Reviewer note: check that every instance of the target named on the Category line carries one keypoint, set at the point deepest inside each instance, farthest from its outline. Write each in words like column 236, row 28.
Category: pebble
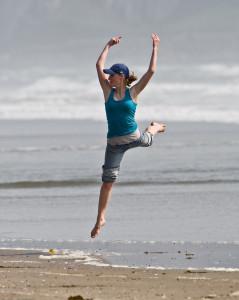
column 235, row 294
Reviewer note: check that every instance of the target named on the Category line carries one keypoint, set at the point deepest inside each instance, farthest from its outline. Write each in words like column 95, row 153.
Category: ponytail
column 132, row 77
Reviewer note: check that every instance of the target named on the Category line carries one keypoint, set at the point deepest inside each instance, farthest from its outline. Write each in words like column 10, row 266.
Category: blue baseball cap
column 117, row 69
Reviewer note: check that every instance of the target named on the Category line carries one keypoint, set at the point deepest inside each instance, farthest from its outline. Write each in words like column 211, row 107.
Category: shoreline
column 24, row 275
column 161, row 255
column 98, row 260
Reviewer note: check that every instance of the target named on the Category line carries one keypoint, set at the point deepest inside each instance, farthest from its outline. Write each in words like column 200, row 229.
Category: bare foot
column 156, row 127
column 96, row 230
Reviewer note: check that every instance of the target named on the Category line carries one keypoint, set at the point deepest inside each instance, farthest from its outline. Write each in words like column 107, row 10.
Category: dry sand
column 23, row 275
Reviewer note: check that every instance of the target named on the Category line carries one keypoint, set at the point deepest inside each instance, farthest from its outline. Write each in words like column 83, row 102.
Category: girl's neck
column 120, row 91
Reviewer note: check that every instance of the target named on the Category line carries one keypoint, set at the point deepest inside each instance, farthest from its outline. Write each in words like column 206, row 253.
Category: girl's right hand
column 114, row 40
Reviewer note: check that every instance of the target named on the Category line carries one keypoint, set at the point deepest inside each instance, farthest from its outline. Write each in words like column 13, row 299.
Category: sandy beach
column 25, row 275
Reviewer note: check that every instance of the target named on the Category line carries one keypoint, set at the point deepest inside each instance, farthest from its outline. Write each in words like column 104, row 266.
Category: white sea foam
column 65, row 254
column 62, row 274
column 77, row 256
column 218, row 269
column 51, row 149
column 20, row 261
column 95, row 260
column 59, row 97
column 96, row 264
column 22, row 248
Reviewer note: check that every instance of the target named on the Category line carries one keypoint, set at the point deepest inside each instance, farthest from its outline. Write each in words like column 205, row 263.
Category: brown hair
column 132, row 77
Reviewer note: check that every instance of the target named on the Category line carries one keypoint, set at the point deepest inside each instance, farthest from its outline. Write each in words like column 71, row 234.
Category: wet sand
column 23, row 275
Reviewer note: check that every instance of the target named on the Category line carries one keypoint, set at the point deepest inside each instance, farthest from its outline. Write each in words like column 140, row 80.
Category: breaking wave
column 196, row 93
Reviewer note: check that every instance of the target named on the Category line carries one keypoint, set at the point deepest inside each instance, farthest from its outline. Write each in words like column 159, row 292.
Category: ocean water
column 193, row 92
column 176, row 198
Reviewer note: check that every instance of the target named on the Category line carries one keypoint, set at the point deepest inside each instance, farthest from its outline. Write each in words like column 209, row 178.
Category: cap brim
column 108, row 71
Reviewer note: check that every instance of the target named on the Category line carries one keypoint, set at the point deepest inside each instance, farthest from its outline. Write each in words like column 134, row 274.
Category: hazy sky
column 54, row 32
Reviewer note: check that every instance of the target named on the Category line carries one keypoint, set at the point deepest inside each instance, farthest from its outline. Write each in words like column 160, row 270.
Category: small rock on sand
column 235, row 294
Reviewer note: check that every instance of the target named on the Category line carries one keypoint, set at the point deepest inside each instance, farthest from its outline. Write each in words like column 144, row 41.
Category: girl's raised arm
column 100, row 64
column 141, row 84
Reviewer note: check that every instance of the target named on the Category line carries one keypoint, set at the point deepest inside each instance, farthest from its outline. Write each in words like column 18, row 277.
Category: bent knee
column 110, row 175
column 147, row 139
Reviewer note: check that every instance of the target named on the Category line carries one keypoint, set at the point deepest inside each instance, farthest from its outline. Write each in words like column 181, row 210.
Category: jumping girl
column 121, row 101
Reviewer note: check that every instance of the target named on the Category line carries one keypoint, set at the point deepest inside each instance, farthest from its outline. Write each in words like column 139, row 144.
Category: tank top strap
column 128, row 93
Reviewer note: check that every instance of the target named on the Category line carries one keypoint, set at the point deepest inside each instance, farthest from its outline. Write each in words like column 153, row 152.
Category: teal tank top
column 120, row 115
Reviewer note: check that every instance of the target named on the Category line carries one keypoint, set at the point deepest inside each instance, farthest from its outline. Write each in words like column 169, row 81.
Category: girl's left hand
column 156, row 40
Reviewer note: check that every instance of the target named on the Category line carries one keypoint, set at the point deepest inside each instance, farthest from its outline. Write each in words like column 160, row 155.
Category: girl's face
column 116, row 80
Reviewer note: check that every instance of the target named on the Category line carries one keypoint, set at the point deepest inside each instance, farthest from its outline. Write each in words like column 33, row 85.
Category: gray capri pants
column 115, row 153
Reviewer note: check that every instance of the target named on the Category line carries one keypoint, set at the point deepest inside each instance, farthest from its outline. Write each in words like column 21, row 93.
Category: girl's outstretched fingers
column 156, row 39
